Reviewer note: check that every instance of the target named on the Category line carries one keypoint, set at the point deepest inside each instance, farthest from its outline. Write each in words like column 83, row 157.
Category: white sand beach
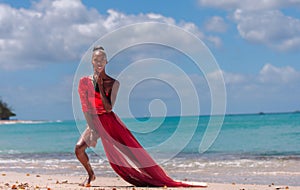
column 13, row 180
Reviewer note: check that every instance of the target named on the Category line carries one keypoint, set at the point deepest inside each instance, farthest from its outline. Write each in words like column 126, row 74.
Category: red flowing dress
column 126, row 156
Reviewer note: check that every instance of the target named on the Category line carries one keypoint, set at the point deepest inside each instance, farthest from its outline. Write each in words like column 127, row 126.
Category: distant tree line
column 5, row 111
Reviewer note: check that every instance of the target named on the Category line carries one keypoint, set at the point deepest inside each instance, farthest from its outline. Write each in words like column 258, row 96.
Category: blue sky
column 256, row 44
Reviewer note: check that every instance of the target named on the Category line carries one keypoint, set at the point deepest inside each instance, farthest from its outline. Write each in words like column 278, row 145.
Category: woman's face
column 99, row 61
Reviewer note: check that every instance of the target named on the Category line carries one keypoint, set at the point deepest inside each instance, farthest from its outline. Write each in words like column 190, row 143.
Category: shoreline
column 10, row 180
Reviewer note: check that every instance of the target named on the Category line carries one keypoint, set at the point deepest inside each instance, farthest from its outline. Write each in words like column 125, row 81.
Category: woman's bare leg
column 84, row 160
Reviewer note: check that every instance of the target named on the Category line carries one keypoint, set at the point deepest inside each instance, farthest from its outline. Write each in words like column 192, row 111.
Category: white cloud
column 268, row 75
column 277, row 75
column 216, row 24
column 249, row 4
column 61, row 30
column 271, row 89
column 229, row 78
column 234, row 79
column 45, row 33
column 215, row 40
column 262, row 22
column 271, row 28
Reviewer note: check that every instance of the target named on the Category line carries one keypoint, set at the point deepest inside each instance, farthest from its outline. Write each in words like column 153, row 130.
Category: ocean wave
column 191, row 167
column 10, row 152
column 11, row 122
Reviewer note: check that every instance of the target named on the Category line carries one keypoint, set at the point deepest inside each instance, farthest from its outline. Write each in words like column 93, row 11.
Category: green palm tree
column 5, row 111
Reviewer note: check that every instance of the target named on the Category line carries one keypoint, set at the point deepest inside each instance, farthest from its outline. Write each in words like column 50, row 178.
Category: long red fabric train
column 121, row 148
column 125, row 154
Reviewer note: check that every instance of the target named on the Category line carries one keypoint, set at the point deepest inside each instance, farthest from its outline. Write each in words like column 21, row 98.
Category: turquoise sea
column 250, row 148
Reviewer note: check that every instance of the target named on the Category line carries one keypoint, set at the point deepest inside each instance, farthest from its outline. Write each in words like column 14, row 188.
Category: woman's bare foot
column 87, row 181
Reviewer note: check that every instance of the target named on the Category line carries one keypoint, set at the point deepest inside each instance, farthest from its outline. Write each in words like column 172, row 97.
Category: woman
column 126, row 156
column 91, row 111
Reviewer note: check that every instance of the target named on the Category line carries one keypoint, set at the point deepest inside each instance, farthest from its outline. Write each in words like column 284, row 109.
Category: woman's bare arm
column 89, row 120
column 114, row 92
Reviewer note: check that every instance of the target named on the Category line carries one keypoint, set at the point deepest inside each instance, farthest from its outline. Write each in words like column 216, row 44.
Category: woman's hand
column 100, row 81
